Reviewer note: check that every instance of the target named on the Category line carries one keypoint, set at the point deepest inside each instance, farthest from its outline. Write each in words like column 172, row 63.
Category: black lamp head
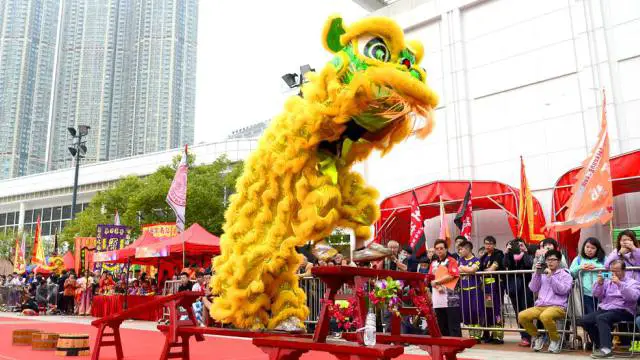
column 290, row 80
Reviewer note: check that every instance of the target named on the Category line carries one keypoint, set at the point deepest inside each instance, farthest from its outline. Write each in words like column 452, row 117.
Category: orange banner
column 592, row 194
column 84, row 249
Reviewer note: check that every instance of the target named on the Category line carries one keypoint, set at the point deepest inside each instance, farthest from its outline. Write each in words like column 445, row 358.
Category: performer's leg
column 288, row 307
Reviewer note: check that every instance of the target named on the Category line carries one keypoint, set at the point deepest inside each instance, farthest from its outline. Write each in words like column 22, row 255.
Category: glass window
column 10, row 218
column 36, row 213
column 66, row 212
column 3, row 219
column 55, row 227
column 57, row 213
column 46, row 229
column 27, row 216
column 46, row 214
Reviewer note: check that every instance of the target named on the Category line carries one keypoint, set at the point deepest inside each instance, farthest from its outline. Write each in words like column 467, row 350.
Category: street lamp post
column 78, row 150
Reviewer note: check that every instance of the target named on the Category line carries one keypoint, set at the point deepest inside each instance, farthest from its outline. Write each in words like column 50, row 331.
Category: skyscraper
column 162, row 75
column 127, row 69
column 27, row 56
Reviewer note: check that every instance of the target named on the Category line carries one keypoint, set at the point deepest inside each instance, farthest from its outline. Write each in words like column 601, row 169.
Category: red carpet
column 138, row 344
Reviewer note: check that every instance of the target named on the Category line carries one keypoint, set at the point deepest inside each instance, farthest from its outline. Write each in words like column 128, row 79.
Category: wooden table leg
column 322, row 327
column 118, row 342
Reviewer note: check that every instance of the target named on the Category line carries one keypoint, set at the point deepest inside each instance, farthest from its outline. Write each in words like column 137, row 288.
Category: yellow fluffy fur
column 284, row 201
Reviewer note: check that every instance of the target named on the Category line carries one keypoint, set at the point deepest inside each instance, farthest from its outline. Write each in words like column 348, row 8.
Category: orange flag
column 444, row 229
column 592, row 195
column 37, row 256
column 19, row 265
column 528, row 230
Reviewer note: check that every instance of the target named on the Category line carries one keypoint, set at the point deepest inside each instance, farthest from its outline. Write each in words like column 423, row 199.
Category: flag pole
column 184, row 254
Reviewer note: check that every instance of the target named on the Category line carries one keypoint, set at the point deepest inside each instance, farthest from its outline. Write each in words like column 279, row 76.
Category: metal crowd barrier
column 491, row 301
column 45, row 296
column 592, row 276
column 10, row 297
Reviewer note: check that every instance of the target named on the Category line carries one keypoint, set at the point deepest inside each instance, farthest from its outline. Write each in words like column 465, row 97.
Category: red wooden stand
column 437, row 345
column 173, row 302
column 291, row 348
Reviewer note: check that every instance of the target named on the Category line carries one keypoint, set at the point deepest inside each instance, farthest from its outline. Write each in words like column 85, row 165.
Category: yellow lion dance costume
column 298, row 185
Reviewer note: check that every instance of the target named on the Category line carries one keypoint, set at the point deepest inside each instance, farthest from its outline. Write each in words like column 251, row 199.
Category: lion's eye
column 375, row 48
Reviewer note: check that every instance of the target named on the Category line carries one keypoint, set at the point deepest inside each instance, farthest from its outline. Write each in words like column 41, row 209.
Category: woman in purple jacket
column 628, row 250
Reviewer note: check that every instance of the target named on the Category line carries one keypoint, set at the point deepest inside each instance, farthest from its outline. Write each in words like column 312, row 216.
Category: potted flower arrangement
column 385, row 293
column 344, row 314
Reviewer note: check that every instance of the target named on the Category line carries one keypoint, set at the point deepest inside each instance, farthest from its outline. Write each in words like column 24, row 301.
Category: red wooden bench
column 183, row 330
column 173, row 302
column 291, row 348
column 446, row 347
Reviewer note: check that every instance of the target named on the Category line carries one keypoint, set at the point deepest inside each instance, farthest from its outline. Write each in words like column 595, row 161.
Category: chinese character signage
column 161, row 230
column 85, row 246
column 110, row 237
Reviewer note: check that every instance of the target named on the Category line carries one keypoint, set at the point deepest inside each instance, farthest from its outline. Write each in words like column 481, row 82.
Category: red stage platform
column 139, row 344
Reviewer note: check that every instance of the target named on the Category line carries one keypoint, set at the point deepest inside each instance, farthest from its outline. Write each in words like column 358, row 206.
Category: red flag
column 37, row 256
column 464, row 218
column 529, row 229
column 417, row 226
column 592, row 195
column 177, row 196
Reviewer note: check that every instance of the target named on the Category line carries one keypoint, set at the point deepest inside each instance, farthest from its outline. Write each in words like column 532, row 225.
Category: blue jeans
column 589, row 303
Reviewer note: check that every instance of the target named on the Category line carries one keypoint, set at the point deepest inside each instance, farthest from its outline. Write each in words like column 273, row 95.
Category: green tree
column 142, row 200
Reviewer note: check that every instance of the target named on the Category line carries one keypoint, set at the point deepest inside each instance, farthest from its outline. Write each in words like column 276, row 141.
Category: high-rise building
column 27, row 60
column 162, row 76
column 127, row 70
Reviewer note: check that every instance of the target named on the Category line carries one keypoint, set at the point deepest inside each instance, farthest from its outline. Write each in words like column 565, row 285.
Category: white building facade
column 519, row 78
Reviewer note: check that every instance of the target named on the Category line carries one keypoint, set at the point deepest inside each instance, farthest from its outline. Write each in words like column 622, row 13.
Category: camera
column 543, row 265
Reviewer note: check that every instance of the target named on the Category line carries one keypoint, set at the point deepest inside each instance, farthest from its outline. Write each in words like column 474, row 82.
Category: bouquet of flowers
column 344, row 314
column 385, row 293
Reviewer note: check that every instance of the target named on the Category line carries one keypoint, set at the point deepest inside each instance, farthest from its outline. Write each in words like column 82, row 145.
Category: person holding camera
column 546, row 245
column 517, row 258
column 553, row 286
column 628, row 250
column 618, row 297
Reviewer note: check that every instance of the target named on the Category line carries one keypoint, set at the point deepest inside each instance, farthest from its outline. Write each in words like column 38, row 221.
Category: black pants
column 449, row 320
column 598, row 324
column 521, row 299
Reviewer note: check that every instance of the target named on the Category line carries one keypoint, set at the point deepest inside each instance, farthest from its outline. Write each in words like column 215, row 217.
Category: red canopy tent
column 395, row 211
column 194, row 241
column 625, row 176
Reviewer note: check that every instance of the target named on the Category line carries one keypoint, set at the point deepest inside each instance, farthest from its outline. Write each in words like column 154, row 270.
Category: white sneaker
column 554, row 347
column 538, row 343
